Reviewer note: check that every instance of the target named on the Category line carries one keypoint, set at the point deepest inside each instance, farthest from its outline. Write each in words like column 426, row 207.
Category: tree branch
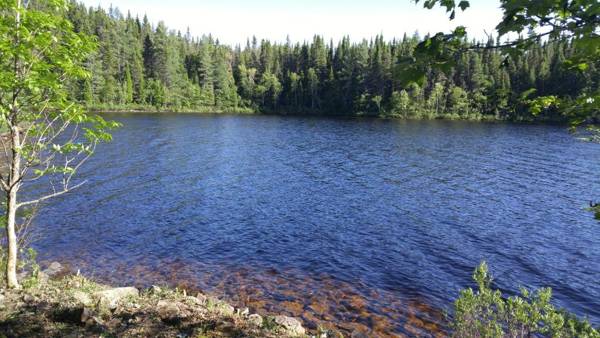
column 47, row 197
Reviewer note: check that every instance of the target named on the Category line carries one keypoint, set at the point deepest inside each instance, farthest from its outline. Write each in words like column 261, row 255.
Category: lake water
column 373, row 224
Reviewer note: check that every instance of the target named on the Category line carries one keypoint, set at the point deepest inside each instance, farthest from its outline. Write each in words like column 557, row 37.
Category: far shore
column 445, row 117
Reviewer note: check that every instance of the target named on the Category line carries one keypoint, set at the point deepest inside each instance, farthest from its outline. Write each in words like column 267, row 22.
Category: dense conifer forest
column 142, row 66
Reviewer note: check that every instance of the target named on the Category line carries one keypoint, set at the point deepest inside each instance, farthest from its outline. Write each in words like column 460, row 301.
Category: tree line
column 139, row 65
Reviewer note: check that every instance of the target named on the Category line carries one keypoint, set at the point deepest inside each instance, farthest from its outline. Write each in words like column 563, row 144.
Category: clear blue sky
column 233, row 21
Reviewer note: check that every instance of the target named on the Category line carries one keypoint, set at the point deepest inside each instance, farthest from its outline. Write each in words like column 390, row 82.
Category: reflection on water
column 374, row 224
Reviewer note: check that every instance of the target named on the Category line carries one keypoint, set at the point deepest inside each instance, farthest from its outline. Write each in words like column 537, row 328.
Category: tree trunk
column 11, row 209
column 11, row 262
column 15, row 172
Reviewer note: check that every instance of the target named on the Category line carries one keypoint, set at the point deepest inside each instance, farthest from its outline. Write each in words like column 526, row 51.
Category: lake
column 372, row 224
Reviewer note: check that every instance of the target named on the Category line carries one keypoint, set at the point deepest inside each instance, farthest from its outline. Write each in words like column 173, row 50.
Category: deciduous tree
column 48, row 137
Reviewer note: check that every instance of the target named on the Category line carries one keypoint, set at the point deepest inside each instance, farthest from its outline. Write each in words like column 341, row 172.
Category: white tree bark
column 14, row 176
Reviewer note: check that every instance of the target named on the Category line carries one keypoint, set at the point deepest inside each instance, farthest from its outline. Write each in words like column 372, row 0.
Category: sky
column 234, row 21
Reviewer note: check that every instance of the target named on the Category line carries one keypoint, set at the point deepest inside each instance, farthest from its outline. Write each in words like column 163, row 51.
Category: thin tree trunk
column 11, row 262
column 11, row 210
column 15, row 172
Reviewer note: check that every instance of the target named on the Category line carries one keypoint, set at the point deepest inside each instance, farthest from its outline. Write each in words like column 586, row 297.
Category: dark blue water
column 374, row 224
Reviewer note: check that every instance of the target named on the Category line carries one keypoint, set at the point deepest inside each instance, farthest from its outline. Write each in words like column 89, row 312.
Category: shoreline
column 445, row 117
column 56, row 303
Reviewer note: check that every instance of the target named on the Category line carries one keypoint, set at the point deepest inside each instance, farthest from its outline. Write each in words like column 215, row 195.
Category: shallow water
column 373, row 224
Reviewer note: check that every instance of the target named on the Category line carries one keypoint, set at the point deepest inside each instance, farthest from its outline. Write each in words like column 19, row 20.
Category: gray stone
column 202, row 298
column 292, row 326
column 171, row 312
column 219, row 306
column 82, row 298
column 54, row 269
column 195, row 301
column 225, row 309
column 243, row 312
column 256, row 320
column 166, row 309
column 155, row 289
column 110, row 298
column 43, row 277
column 22, row 275
column 27, row 298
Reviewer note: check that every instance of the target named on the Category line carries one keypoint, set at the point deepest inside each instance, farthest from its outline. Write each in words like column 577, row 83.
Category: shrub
column 486, row 313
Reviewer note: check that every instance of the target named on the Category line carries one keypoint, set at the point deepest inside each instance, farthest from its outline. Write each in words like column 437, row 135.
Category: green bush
column 486, row 313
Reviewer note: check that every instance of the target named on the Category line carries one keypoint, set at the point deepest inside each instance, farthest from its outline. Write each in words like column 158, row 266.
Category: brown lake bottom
column 320, row 301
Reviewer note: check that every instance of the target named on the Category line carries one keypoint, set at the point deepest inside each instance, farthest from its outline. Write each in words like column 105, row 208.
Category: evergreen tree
column 139, row 64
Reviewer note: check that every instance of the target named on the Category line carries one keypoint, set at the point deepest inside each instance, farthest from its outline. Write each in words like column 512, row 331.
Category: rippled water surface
column 373, row 224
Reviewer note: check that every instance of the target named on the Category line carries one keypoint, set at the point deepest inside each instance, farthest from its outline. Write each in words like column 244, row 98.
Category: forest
column 141, row 66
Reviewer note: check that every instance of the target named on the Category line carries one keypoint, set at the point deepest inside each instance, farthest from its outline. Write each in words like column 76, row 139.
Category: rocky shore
column 56, row 304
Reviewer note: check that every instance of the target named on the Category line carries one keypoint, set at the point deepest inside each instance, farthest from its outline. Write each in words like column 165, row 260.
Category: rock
column 113, row 324
column 243, row 312
column 291, row 325
column 54, row 270
column 171, row 312
column 86, row 315
column 27, row 298
column 2, row 298
column 167, row 310
column 110, row 298
column 43, row 277
column 358, row 334
column 219, row 306
column 195, row 301
column 225, row 309
column 82, row 298
column 202, row 298
column 155, row 290
column 22, row 275
column 256, row 320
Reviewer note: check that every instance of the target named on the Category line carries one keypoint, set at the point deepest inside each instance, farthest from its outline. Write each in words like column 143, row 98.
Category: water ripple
column 373, row 224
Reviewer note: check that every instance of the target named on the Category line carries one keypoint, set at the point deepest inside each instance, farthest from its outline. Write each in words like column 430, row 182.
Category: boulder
column 55, row 269
column 167, row 311
column 292, row 326
column 255, row 319
column 110, row 298
column 172, row 312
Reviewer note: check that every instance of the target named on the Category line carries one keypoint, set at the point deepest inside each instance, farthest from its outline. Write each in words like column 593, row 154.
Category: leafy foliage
column 486, row 313
column 575, row 22
column 48, row 134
